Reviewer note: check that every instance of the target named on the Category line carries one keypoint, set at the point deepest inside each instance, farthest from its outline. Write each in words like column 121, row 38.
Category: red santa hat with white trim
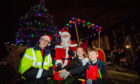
column 64, row 32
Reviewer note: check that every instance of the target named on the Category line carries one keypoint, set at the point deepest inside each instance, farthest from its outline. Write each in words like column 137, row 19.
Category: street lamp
column 127, row 46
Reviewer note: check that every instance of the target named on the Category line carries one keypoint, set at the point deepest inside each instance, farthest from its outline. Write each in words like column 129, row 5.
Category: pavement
column 121, row 75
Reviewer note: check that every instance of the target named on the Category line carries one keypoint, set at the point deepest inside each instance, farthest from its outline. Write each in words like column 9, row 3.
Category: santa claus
column 65, row 50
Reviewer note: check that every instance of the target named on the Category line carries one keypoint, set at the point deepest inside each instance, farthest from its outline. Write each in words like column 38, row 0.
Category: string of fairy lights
column 86, row 25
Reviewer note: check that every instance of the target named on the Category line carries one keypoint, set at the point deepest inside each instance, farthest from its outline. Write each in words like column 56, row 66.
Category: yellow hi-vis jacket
column 36, row 65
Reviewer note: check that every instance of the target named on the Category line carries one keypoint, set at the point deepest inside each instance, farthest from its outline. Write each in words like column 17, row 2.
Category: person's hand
column 48, row 78
column 50, row 71
column 63, row 70
column 53, row 71
column 70, row 52
column 59, row 65
column 64, row 74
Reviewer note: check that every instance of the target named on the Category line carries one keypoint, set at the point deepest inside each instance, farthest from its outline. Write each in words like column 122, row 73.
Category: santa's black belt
column 66, row 58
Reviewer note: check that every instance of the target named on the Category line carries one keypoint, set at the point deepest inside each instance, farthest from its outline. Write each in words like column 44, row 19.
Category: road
column 120, row 75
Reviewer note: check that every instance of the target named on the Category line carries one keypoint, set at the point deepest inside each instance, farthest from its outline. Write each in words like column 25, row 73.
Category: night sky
column 103, row 12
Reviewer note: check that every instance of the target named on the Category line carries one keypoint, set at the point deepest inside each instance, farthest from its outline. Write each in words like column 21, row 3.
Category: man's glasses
column 44, row 40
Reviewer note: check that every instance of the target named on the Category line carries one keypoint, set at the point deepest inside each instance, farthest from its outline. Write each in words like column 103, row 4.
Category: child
column 78, row 61
column 94, row 69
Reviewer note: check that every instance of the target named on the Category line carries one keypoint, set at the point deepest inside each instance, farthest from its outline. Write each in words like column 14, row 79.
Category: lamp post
column 129, row 46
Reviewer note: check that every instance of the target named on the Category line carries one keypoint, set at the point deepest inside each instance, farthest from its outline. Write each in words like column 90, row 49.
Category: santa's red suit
column 62, row 55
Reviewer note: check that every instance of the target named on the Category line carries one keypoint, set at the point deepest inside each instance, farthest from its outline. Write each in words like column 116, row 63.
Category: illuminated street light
column 127, row 46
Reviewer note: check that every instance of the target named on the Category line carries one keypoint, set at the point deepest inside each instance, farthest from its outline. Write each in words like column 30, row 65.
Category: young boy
column 95, row 69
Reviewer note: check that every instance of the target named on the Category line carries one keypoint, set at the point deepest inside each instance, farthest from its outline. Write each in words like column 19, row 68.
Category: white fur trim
column 58, row 46
column 65, row 33
column 73, row 45
column 67, row 56
column 46, row 37
column 58, row 61
column 49, row 44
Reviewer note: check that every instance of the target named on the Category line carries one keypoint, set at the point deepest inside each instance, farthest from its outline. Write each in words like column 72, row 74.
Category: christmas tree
column 34, row 24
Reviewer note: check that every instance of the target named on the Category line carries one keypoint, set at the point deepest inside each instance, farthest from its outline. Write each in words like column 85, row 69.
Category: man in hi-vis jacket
column 36, row 64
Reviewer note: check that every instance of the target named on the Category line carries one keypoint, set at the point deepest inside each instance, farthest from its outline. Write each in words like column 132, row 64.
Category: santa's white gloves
column 64, row 75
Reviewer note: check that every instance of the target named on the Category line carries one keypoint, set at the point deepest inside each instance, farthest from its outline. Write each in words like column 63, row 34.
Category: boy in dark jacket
column 94, row 69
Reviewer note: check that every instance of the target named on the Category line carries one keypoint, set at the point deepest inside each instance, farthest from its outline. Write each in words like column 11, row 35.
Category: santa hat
column 64, row 32
column 48, row 37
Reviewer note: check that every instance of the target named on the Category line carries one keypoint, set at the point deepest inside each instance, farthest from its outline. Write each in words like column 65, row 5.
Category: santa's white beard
column 65, row 42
